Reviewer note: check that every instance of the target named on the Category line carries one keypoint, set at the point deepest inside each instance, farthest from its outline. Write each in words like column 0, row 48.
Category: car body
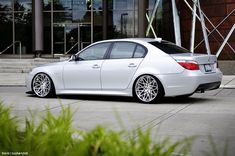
column 145, row 68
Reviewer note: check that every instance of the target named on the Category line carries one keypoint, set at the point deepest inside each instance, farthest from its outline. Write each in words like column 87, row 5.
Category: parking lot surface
column 202, row 115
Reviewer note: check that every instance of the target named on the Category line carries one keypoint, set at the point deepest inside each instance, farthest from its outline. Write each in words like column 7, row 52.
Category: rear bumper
column 208, row 86
column 189, row 82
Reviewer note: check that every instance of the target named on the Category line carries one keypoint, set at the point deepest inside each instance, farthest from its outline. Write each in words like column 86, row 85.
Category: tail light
column 190, row 65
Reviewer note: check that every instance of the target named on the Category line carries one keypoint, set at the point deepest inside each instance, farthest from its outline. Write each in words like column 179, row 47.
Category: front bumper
column 28, row 82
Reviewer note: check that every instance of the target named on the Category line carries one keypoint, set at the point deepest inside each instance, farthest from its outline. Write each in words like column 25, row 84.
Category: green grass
column 55, row 136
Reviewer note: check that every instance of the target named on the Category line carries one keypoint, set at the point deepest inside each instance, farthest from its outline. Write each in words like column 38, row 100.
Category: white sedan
column 144, row 68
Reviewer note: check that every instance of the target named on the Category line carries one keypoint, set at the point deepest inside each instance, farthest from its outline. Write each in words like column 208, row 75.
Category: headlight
column 31, row 69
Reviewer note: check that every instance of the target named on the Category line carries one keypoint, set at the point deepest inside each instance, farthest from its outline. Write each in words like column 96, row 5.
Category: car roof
column 139, row 40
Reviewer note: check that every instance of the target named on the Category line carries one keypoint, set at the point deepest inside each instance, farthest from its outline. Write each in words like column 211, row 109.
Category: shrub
column 54, row 135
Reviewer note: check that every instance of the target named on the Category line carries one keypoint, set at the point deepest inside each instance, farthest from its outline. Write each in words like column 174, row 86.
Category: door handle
column 132, row 65
column 95, row 66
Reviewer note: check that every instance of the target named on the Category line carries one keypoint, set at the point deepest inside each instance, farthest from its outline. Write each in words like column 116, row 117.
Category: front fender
column 54, row 72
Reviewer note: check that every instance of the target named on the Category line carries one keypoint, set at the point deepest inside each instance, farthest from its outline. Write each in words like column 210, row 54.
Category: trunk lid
column 207, row 63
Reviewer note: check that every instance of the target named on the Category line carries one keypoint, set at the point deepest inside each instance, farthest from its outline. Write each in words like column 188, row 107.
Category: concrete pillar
column 37, row 27
column 105, row 19
column 142, row 20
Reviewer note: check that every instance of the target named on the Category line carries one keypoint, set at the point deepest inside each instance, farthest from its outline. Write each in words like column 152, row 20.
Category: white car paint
column 117, row 76
column 75, row 79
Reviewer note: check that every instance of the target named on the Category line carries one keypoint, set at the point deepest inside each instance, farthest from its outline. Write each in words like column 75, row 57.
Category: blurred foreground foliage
column 53, row 135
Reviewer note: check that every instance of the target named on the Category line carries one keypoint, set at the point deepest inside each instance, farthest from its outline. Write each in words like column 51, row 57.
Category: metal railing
column 11, row 46
column 82, row 46
column 71, row 48
column 76, row 44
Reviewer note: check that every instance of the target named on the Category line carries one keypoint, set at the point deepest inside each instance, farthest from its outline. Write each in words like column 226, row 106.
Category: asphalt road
column 211, row 113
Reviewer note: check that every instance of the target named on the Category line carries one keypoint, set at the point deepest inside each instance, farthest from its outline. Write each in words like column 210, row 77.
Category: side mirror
column 73, row 58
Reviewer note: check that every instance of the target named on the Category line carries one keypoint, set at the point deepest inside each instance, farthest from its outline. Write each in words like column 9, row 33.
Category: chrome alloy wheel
column 146, row 88
column 41, row 85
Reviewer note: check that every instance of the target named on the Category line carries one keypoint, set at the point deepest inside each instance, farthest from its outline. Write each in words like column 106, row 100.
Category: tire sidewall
column 160, row 93
column 52, row 88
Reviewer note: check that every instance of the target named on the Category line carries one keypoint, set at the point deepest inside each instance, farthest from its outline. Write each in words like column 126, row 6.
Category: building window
column 16, row 26
column 122, row 18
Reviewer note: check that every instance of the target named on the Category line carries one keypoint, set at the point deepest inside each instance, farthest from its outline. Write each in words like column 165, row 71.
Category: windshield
column 169, row 47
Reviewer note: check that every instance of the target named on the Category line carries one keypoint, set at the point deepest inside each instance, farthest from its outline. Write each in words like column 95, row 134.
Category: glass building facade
column 16, row 25
column 70, row 25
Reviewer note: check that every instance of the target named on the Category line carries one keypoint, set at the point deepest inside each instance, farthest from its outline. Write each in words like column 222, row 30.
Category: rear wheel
column 148, row 89
column 42, row 85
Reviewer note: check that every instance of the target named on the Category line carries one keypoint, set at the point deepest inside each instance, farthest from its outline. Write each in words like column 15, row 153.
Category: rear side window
column 122, row 50
column 139, row 52
column 169, row 47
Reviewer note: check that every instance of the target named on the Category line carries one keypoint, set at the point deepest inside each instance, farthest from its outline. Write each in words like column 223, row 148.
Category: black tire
column 43, row 86
column 148, row 89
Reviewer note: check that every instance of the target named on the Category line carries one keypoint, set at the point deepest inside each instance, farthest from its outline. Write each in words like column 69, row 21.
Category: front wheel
column 42, row 85
column 148, row 89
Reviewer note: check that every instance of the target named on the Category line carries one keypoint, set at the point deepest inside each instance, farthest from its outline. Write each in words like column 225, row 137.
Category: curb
column 7, row 85
column 227, row 87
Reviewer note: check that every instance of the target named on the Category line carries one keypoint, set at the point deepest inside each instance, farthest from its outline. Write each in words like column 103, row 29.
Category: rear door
column 123, row 61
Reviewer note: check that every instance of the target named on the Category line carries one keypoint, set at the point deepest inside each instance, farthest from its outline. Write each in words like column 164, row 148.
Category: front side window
column 95, row 52
column 122, row 50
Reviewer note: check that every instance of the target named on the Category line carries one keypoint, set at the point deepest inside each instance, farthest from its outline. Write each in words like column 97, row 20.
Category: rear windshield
column 169, row 47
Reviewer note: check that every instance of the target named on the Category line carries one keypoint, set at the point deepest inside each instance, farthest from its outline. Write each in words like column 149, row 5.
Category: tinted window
column 169, row 47
column 139, row 52
column 122, row 50
column 95, row 52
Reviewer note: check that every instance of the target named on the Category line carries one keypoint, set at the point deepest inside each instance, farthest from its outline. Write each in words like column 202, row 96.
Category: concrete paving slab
column 228, row 81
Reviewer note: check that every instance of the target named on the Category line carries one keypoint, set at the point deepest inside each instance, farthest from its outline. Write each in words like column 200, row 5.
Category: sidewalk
column 12, row 79
column 228, row 82
column 18, row 79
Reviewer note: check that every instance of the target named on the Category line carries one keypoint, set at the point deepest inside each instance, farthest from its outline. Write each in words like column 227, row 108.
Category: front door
column 84, row 73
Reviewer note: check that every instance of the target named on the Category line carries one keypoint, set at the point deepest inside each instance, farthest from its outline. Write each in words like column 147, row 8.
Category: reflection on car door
column 82, row 75
column 85, row 73
column 118, row 70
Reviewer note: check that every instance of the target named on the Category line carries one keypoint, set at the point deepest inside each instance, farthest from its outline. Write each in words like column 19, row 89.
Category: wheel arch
column 138, row 76
column 50, row 77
